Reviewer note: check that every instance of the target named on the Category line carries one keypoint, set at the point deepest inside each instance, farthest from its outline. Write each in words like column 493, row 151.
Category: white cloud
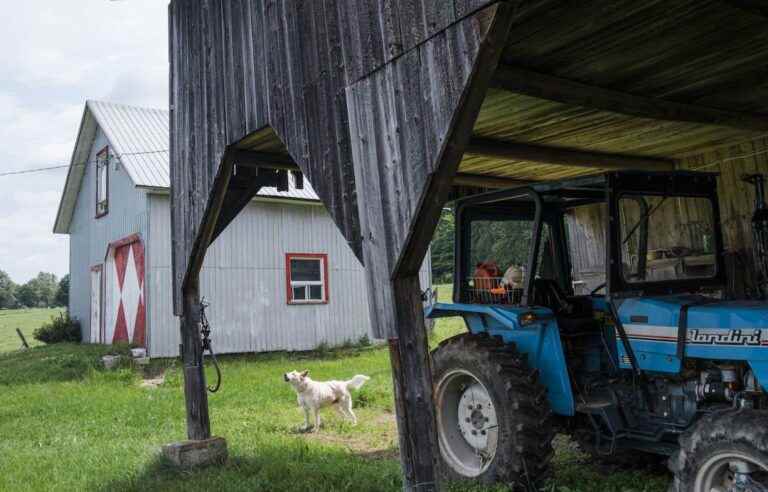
column 53, row 56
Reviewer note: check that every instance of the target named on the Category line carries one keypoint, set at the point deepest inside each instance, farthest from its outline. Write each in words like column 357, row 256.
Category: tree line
column 505, row 242
column 45, row 291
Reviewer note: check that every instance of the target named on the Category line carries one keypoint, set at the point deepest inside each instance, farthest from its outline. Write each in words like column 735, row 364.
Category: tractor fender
column 533, row 331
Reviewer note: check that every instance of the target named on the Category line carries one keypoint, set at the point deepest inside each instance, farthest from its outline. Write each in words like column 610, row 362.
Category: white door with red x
column 125, row 319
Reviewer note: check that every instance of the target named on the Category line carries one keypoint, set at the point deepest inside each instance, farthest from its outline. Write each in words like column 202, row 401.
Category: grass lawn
column 65, row 424
column 25, row 319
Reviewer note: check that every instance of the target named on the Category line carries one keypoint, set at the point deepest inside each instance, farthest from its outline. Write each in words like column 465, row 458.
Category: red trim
column 128, row 243
column 133, row 238
column 105, row 150
column 326, row 284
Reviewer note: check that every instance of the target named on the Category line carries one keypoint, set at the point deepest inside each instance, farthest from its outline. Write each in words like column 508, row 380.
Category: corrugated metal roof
column 140, row 139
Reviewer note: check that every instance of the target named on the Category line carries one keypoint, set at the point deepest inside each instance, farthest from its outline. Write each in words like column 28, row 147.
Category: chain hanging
column 205, row 332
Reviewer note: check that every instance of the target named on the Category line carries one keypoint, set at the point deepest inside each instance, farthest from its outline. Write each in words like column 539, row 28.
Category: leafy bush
column 61, row 329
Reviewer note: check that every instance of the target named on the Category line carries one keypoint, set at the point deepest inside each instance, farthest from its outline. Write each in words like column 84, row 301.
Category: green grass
column 25, row 319
column 66, row 424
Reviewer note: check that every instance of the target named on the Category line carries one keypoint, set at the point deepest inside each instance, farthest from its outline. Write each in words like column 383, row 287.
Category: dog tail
column 357, row 381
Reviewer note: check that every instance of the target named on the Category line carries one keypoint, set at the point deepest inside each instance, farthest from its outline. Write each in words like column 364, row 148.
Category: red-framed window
column 102, row 182
column 306, row 277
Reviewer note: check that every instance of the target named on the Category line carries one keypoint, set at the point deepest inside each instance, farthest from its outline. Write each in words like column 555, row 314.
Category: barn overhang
column 390, row 108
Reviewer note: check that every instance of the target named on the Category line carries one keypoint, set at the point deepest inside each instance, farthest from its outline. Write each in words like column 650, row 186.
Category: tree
column 7, row 291
column 39, row 292
column 442, row 248
column 62, row 294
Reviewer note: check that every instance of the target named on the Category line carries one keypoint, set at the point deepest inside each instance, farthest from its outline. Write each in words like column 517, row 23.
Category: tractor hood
column 709, row 321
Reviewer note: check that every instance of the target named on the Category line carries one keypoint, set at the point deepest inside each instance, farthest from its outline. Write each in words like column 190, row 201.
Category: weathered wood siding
column 238, row 66
column 737, row 201
column 400, row 117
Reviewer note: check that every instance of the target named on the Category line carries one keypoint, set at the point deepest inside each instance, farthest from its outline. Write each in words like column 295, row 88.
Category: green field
column 65, row 424
column 25, row 319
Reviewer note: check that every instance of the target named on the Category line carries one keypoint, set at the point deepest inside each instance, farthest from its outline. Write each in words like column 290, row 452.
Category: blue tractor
column 652, row 362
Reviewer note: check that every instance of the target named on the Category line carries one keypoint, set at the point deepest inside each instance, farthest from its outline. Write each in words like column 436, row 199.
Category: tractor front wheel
column 493, row 417
column 725, row 451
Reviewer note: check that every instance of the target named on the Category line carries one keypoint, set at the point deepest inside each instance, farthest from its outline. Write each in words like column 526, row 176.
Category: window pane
column 305, row 270
column 102, row 181
column 299, row 294
column 679, row 232
column 585, row 229
column 316, row 292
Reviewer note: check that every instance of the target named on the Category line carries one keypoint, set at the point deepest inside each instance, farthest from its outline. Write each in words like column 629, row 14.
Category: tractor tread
column 527, row 418
column 742, row 429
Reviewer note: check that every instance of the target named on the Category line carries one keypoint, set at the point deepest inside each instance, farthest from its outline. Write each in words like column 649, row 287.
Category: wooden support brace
column 412, row 377
column 195, row 392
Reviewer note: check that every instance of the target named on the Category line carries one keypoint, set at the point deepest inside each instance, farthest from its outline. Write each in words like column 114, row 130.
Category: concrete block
column 193, row 454
column 110, row 361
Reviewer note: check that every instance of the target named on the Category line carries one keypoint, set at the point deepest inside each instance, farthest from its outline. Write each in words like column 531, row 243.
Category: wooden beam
column 195, row 391
column 756, row 7
column 543, row 86
column 269, row 160
column 483, row 181
column 515, row 151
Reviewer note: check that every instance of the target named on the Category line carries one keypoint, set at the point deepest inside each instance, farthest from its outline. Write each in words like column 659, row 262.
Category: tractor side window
column 498, row 257
column 666, row 238
column 585, row 226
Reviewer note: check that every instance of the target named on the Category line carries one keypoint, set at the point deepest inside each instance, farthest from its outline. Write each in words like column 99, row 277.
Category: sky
column 54, row 55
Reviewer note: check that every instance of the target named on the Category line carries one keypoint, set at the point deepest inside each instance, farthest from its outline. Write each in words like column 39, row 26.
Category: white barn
column 115, row 207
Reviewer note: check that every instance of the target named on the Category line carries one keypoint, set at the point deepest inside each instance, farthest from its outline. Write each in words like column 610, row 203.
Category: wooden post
column 24, row 343
column 412, row 376
column 195, row 392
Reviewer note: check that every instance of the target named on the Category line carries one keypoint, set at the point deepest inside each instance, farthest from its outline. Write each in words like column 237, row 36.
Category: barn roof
column 138, row 137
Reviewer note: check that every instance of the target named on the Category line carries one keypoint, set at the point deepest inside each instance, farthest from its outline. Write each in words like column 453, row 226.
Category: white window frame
column 102, row 166
column 306, row 284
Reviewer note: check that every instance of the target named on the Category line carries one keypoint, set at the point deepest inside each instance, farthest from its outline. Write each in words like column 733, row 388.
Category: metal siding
column 89, row 237
column 140, row 136
column 244, row 280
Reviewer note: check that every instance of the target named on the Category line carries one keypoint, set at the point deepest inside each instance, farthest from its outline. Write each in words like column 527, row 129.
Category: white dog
column 314, row 395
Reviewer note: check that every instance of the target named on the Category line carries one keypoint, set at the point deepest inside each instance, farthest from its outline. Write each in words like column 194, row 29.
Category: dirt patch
column 382, row 446
column 153, row 382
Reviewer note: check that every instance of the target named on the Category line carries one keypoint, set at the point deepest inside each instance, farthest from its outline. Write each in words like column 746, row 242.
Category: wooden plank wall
column 737, row 199
column 238, row 66
column 400, row 116
column 736, row 206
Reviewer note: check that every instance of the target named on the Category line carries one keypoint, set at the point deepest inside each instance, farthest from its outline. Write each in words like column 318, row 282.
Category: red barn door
column 126, row 317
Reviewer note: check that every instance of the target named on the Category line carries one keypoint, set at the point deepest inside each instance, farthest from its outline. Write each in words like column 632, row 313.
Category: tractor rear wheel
column 725, row 451
column 493, row 418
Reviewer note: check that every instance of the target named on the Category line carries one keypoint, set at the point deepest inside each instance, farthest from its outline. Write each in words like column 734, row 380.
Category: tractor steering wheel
column 599, row 287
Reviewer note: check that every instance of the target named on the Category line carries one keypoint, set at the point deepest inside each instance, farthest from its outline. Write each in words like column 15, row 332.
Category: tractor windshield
column 666, row 238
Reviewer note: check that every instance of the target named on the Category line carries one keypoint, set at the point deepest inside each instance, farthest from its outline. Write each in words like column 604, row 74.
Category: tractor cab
column 642, row 234
column 602, row 299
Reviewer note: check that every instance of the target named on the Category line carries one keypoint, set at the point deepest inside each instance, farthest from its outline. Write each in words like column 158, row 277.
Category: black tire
column 743, row 432
column 525, row 432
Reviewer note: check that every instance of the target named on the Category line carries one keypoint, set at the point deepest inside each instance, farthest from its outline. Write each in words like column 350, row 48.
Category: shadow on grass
column 53, row 363
column 273, row 468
